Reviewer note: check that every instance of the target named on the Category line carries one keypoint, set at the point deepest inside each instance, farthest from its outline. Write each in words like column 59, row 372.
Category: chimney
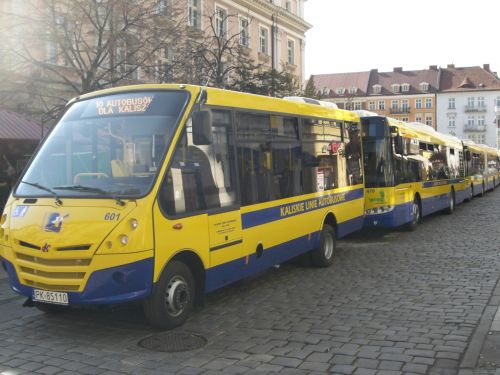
column 451, row 66
column 433, row 67
column 374, row 70
column 398, row 69
column 486, row 67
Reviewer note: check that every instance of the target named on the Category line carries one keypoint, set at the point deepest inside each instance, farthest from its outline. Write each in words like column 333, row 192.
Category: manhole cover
column 173, row 342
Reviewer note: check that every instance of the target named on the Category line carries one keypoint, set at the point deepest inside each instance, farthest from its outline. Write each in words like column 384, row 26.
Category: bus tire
column 172, row 300
column 324, row 255
column 483, row 192
column 471, row 194
column 451, row 203
column 415, row 215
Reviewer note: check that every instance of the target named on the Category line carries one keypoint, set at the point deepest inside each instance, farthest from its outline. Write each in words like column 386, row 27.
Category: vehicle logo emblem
column 55, row 222
column 45, row 248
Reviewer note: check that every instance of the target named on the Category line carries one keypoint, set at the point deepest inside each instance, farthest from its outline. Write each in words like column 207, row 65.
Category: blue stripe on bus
column 429, row 184
column 267, row 215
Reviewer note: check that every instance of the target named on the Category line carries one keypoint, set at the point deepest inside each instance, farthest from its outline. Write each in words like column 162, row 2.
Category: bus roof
column 227, row 98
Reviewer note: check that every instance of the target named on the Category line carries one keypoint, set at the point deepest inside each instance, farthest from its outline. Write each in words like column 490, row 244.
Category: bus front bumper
column 401, row 214
column 118, row 284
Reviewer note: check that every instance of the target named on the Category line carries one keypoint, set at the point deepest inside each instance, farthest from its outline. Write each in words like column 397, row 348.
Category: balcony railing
column 475, row 108
column 474, row 128
column 396, row 111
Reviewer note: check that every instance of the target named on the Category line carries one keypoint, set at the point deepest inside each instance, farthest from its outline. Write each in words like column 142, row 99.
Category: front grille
column 56, row 274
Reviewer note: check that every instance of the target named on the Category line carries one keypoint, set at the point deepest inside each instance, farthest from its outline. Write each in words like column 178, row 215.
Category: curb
column 471, row 356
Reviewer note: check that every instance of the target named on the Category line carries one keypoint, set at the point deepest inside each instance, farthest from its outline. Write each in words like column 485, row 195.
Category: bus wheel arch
column 178, row 290
column 324, row 254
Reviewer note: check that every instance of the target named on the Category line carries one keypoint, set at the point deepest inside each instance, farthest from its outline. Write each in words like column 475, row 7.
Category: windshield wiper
column 92, row 189
column 41, row 187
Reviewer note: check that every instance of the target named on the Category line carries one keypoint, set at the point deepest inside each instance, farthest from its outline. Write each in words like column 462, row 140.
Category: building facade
column 271, row 33
column 460, row 101
column 468, row 104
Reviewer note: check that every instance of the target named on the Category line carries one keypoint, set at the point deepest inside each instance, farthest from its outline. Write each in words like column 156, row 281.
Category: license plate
column 58, row 298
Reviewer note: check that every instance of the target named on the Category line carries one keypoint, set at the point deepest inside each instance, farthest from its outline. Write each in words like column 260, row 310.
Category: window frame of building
column 194, row 13
column 452, row 121
column 424, row 86
column 428, row 103
column 394, row 104
column 405, row 87
column 377, row 89
column 418, row 118
column 395, row 87
column 264, row 40
column 471, row 102
column 481, row 102
column 290, row 48
column 221, row 17
column 244, row 30
column 163, row 7
column 481, row 121
column 371, row 106
column 353, row 90
column 340, row 91
column 358, row 106
column 471, row 120
column 381, row 105
column 428, row 120
column 418, row 103
column 451, row 103
column 405, row 104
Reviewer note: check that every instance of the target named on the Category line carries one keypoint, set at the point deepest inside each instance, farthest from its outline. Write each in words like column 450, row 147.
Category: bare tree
column 71, row 47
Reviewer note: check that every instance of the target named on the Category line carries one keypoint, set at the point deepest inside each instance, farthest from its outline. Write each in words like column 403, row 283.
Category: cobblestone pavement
column 394, row 302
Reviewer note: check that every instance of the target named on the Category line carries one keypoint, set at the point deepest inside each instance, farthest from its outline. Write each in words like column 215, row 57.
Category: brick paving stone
column 342, row 369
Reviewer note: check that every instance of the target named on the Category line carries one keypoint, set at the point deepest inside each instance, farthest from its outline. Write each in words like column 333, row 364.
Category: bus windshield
column 106, row 147
column 377, row 153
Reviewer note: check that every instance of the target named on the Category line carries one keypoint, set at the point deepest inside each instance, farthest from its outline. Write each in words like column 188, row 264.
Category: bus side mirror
column 202, row 128
column 399, row 145
column 467, row 156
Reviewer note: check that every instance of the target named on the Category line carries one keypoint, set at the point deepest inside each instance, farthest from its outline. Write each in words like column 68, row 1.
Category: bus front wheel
column 323, row 256
column 173, row 299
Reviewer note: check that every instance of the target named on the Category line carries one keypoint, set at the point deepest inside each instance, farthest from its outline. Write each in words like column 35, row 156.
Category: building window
column 451, row 122
column 405, row 119
column 497, row 103
column 163, row 69
column 263, row 40
column 353, row 90
column 291, row 52
column 480, row 102
column 404, row 105
column 405, row 87
column 221, row 22
column 395, row 88
column 194, row 14
column 357, row 106
column 428, row 120
column 418, row 103
column 451, row 103
column 381, row 105
column 244, row 32
column 371, row 106
column 377, row 89
column 418, row 118
column 340, row 91
column 424, row 86
column 288, row 5
column 470, row 102
column 470, row 121
column 480, row 120
column 394, row 104
column 163, row 7
column 428, row 103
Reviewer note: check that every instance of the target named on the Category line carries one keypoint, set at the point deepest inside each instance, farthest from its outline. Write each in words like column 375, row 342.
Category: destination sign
column 114, row 106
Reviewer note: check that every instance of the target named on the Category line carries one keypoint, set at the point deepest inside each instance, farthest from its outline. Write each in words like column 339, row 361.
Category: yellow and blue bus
column 162, row 193
column 410, row 171
column 482, row 167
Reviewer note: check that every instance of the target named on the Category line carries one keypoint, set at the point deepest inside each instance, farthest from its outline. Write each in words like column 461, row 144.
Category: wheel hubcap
column 176, row 296
column 415, row 213
column 328, row 243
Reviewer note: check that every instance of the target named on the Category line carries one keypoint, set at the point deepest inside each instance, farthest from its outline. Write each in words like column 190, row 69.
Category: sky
column 359, row 35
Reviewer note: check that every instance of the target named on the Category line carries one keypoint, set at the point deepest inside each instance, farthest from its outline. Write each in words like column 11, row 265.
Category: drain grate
column 171, row 342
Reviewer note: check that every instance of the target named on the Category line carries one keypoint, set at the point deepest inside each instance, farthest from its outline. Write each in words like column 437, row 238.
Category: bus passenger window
column 201, row 177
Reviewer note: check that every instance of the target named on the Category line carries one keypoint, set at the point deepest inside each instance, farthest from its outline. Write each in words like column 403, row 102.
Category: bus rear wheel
column 324, row 255
column 415, row 215
column 172, row 301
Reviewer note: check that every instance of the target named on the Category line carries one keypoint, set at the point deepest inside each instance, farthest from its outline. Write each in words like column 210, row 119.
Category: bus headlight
column 379, row 210
column 124, row 239
column 134, row 223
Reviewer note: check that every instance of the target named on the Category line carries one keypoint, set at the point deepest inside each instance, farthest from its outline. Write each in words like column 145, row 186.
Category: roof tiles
column 15, row 127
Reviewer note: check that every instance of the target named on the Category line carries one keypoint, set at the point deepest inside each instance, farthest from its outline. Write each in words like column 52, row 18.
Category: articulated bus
column 482, row 167
column 410, row 171
column 162, row 193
